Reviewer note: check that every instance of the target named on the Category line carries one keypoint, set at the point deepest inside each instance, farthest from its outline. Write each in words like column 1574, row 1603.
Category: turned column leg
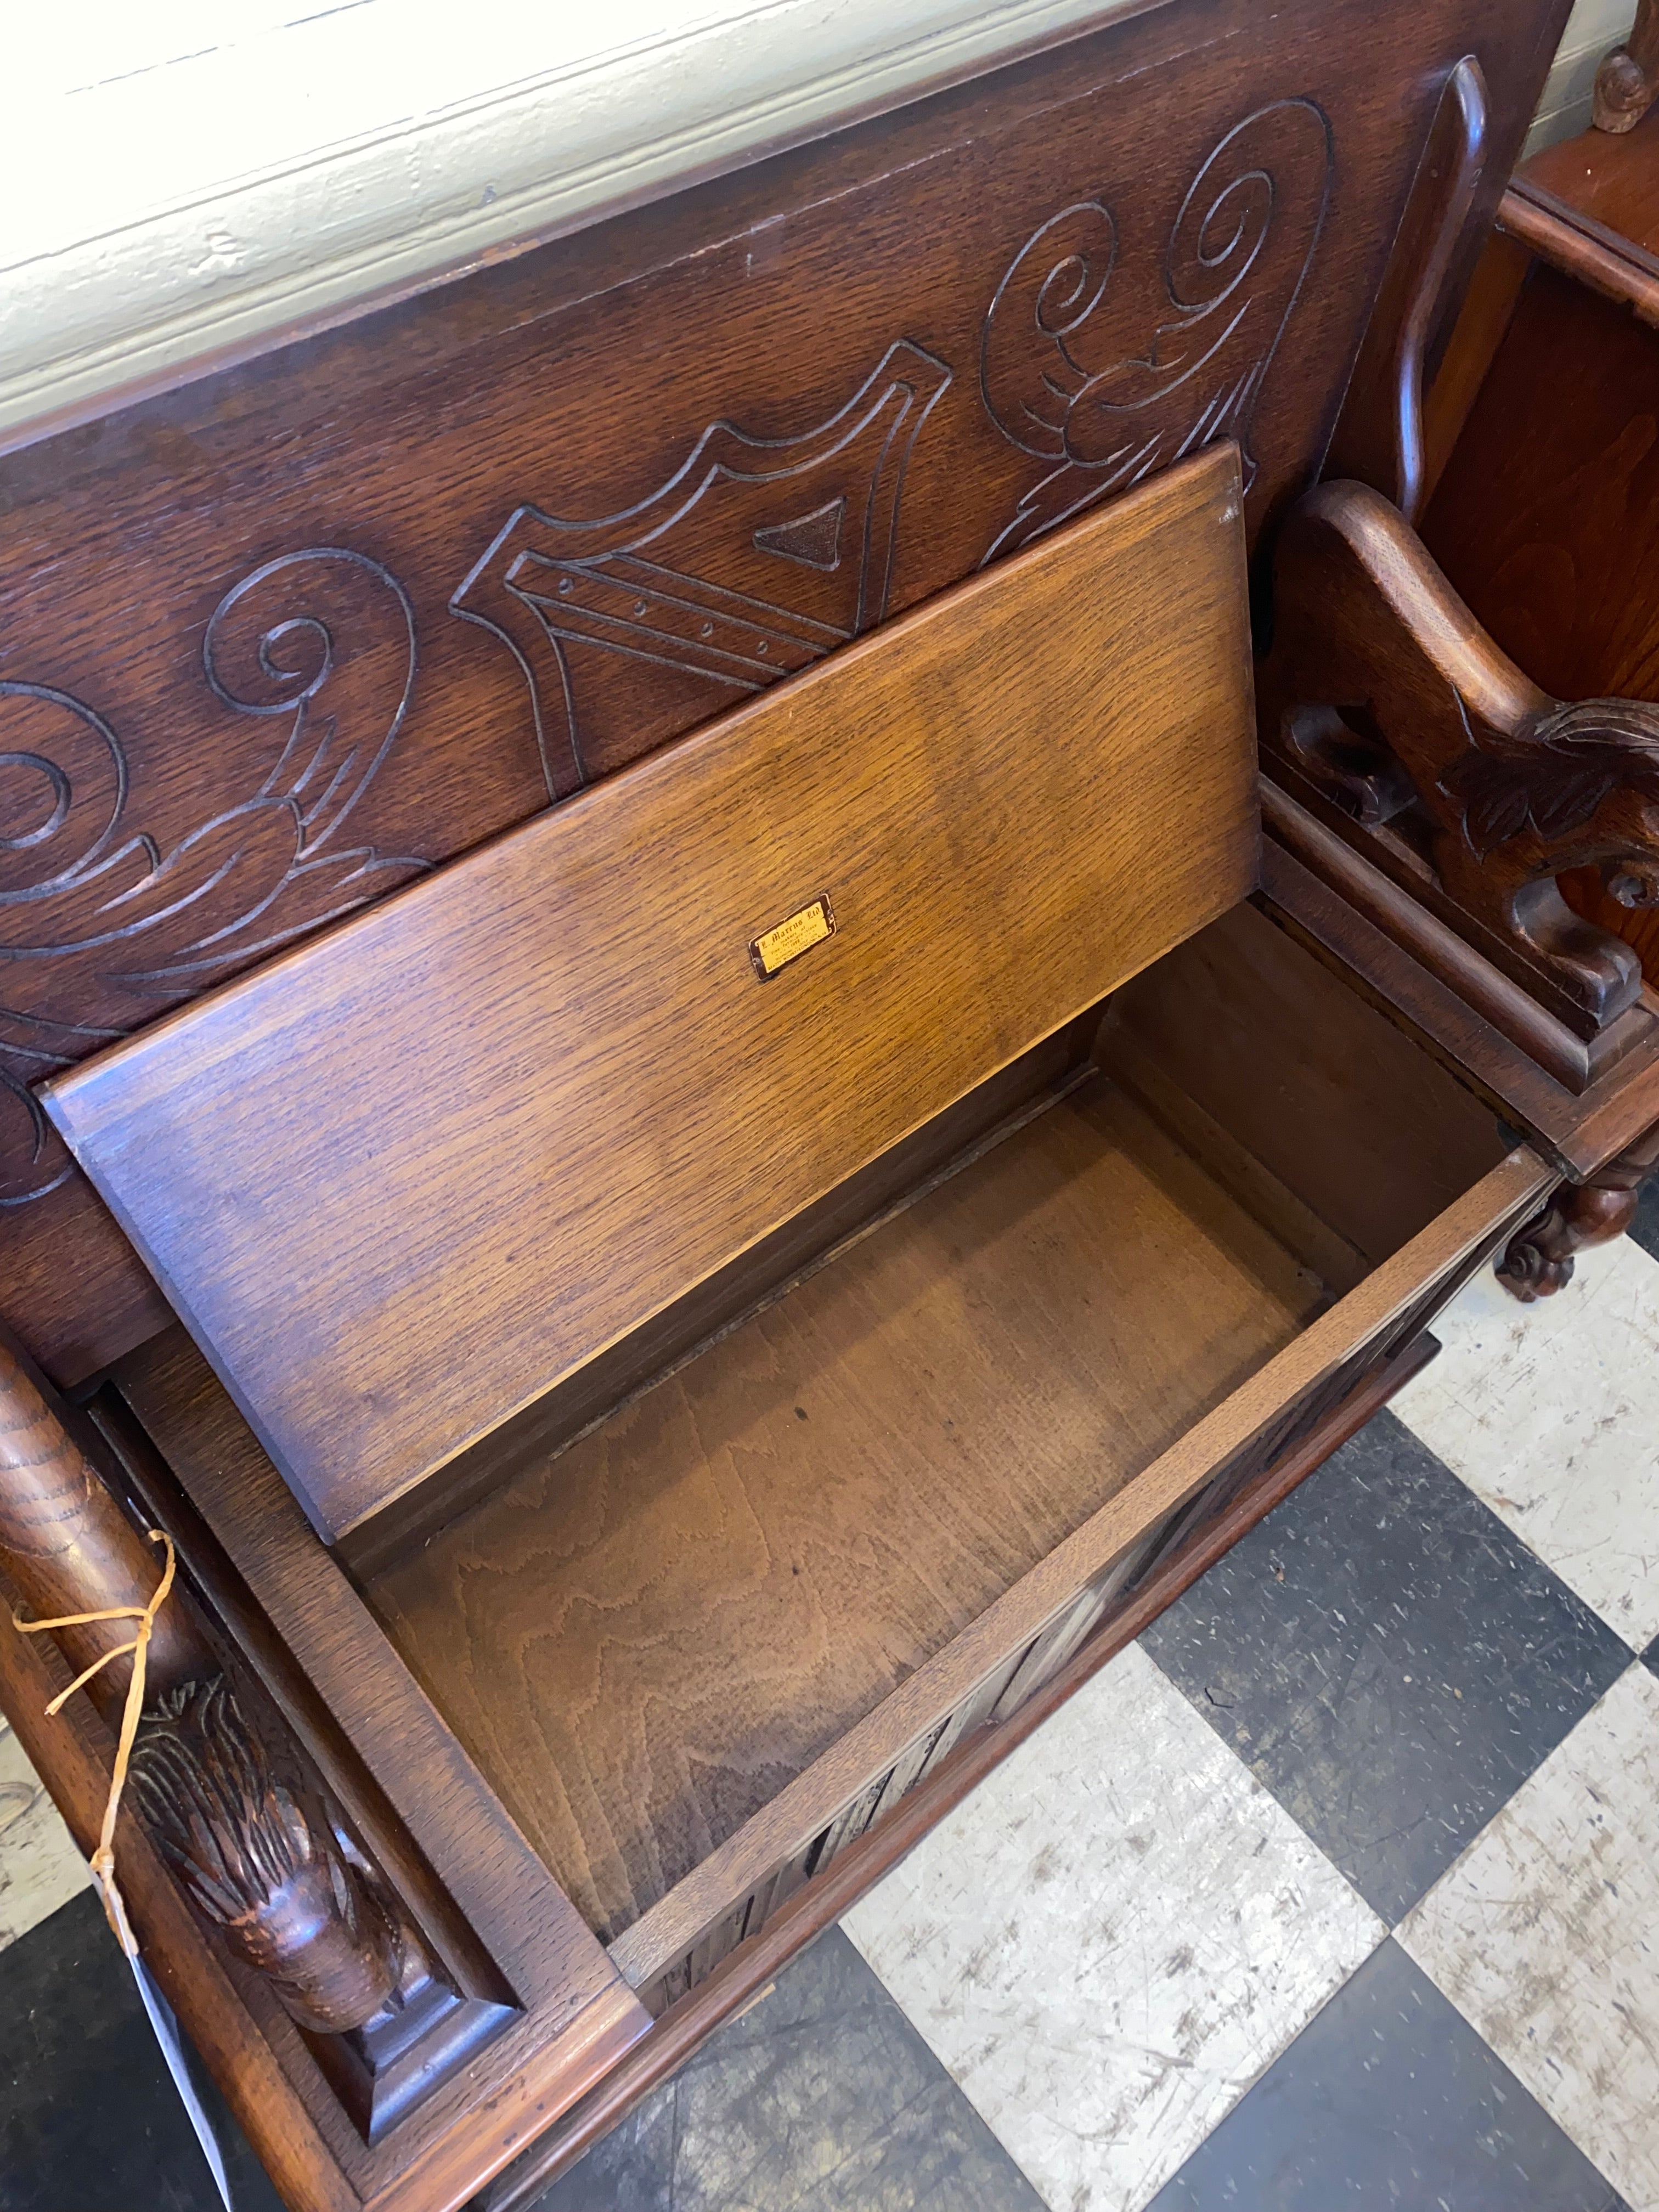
column 1538, row 1261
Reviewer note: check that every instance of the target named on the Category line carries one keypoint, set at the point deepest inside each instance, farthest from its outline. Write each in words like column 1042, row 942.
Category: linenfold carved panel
column 1109, row 366
column 99, row 928
column 686, row 583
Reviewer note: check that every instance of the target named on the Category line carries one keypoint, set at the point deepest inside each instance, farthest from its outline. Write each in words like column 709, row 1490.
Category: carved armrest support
column 1460, row 776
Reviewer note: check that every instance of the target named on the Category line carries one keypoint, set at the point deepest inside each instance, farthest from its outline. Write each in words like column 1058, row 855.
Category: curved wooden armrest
column 1473, row 787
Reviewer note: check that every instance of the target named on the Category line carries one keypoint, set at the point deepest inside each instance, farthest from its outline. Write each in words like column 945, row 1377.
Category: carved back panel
column 279, row 641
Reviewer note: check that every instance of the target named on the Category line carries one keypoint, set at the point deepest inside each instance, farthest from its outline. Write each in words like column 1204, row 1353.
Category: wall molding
column 287, row 178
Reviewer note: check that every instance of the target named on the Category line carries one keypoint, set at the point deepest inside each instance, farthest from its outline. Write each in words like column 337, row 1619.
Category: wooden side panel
column 403, row 1180
column 1370, row 1133
column 515, row 532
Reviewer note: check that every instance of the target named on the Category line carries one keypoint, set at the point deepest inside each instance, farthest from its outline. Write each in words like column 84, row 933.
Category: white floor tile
column 1545, row 1934
column 40, row 1867
column 1550, row 1413
column 1112, row 1938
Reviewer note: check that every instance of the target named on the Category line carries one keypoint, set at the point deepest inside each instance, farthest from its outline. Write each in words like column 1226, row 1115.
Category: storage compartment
column 699, row 1645
column 401, row 1182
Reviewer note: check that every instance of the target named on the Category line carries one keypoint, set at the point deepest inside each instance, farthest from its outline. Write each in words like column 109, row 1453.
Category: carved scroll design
column 1470, row 785
column 99, row 928
column 1085, row 364
column 753, row 560
column 1539, row 1260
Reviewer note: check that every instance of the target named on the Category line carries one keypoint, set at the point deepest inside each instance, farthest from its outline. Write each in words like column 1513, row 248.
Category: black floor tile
column 1645, row 1227
column 821, row 2098
column 1650, row 1657
column 89, row 2118
column 1389, row 1659
column 1387, row 2101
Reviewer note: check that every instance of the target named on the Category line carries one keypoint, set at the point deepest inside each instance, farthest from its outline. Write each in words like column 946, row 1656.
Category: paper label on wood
column 790, row 938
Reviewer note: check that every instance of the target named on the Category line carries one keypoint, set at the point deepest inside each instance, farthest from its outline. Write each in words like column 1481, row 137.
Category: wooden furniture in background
column 1545, row 517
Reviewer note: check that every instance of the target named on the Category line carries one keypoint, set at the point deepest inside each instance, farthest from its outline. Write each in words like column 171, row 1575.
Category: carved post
column 256, row 1866
column 1467, row 784
column 1538, row 1259
column 67, row 1548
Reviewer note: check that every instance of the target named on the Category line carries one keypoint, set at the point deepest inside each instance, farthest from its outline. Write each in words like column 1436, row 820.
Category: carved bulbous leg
column 263, row 1870
column 1538, row 1261
column 248, row 1856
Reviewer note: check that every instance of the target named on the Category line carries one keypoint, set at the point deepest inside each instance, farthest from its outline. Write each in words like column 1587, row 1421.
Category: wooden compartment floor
column 642, row 1640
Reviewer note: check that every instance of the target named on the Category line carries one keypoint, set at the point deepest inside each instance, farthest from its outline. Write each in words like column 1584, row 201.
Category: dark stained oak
column 1226, row 1021
column 804, row 397
column 1307, row 1376
column 1380, row 434
column 288, row 646
column 412, row 1791
column 1579, row 1131
column 401, row 1181
column 1385, row 702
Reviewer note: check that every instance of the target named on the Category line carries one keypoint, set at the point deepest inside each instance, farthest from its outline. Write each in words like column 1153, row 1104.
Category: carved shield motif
column 756, row 558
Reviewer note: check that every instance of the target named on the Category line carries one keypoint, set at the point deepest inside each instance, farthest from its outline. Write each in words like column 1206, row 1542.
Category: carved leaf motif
column 255, row 1866
column 1549, row 780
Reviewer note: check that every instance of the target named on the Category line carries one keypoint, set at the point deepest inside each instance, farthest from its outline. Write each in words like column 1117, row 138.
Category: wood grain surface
column 1315, row 1087
column 643, row 1640
column 403, row 1179
column 743, row 1973
column 811, row 394
column 1394, row 1293
column 637, row 1360
column 1577, row 1131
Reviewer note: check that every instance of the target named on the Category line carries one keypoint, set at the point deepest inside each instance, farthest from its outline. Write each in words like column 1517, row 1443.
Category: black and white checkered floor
column 1337, row 1892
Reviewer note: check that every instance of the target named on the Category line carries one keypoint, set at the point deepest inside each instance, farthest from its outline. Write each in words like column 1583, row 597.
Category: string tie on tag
column 103, row 1859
